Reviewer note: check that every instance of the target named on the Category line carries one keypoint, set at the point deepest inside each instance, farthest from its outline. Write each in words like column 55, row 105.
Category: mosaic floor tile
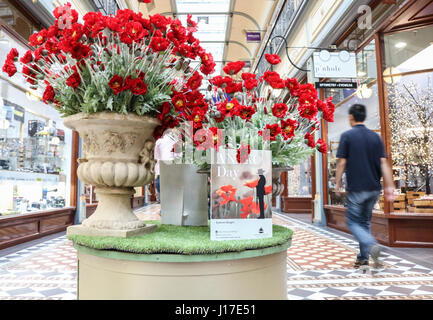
column 319, row 266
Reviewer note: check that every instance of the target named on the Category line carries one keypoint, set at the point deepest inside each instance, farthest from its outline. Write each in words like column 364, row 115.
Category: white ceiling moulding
column 229, row 29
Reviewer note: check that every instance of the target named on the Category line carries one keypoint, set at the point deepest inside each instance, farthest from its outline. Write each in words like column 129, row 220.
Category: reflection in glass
column 408, row 77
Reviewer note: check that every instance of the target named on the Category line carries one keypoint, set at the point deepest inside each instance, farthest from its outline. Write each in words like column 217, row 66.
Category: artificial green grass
column 169, row 239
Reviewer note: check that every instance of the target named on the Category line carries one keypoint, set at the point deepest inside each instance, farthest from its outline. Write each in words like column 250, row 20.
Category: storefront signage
column 241, row 196
column 340, row 64
column 254, row 36
column 336, row 85
column 18, row 112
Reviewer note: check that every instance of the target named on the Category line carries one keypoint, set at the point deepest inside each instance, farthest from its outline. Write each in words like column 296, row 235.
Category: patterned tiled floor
column 319, row 267
column 330, row 275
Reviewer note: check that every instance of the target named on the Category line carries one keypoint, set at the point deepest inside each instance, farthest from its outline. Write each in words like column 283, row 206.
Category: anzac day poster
column 241, row 196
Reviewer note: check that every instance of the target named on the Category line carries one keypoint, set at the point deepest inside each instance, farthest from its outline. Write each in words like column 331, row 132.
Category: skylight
column 212, row 27
column 192, row 6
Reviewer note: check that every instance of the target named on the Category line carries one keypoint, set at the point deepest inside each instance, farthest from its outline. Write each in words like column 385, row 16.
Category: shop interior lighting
column 400, row 45
column 362, row 74
column 364, row 92
column 4, row 124
column 389, row 75
column 31, row 96
column 55, row 141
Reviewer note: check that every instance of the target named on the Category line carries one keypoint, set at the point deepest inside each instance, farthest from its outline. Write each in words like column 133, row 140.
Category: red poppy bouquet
column 123, row 63
column 266, row 112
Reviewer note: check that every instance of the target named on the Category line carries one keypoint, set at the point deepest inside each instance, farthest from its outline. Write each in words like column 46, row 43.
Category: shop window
column 366, row 94
column 32, row 161
column 35, row 147
column 408, row 78
column 299, row 180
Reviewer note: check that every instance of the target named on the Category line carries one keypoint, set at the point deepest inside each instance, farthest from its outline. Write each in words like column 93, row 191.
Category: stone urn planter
column 277, row 186
column 118, row 156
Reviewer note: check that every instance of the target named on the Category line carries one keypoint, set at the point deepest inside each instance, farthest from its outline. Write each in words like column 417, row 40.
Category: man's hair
column 359, row 112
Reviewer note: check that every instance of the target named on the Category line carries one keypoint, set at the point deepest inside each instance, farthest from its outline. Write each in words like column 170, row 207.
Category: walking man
column 361, row 154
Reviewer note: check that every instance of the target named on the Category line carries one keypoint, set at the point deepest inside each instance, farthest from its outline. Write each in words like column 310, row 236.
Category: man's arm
column 341, row 166
column 388, row 181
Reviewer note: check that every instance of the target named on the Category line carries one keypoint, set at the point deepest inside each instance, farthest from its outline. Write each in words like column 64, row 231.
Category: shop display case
column 32, row 162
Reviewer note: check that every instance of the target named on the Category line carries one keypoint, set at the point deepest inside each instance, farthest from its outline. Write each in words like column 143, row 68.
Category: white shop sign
column 341, row 64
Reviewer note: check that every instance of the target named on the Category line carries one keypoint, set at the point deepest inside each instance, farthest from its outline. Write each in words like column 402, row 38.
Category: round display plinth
column 259, row 274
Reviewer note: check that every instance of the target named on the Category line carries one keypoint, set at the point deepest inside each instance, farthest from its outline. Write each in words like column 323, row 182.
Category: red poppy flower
column 221, row 82
column 228, row 108
column 94, row 22
column 228, row 188
column 12, row 55
column 27, row 57
column 233, row 87
column 273, row 58
column 308, row 111
column 250, row 207
column 234, row 67
column 274, row 80
column 245, row 112
column 268, row 189
column 80, row 51
column 310, row 140
column 159, row 21
column 48, row 95
column 164, row 110
column 74, row 33
column 191, row 24
column 274, row 131
column 74, row 80
column 250, row 84
column 293, row 85
column 197, row 117
column 10, row 68
column 208, row 63
column 179, row 101
column 252, row 184
column 279, row 110
column 195, row 81
column 159, row 44
column 321, row 146
column 66, row 10
column 227, row 193
column 52, row 46
column 247, row 76
column 288, row 127
column 328, row 113
column 242, row 153
column 116, row 84
column 309, row 90
column 217, row 137
column 39, row 38
column 137, row 86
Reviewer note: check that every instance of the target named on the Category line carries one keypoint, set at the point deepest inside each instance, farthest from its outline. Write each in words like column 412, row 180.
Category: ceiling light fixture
column 364, row 92
column 400, row 45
